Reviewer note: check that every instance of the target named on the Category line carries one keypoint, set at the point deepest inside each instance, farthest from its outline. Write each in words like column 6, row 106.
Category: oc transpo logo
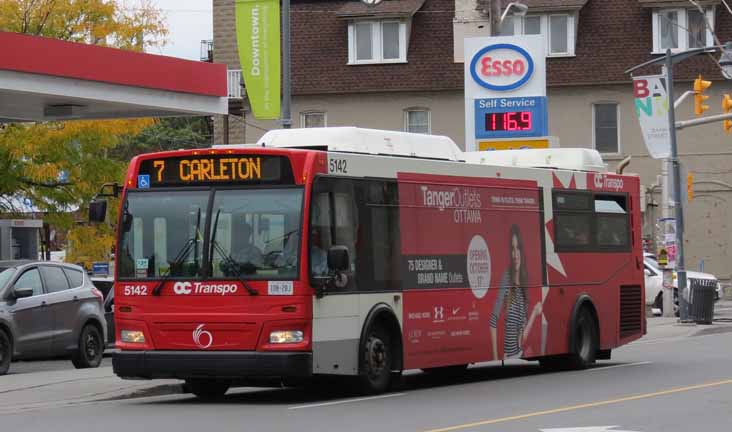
column 602, row 181
column 502, row 67
column 182, row 288
column 202, row 338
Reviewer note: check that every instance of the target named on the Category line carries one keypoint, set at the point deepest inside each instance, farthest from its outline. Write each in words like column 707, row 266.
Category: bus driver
column 248, row 256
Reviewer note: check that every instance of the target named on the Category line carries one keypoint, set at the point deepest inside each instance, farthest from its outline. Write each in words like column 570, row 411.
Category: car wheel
column 207, row 389
column 6, row 352
column 90, row 350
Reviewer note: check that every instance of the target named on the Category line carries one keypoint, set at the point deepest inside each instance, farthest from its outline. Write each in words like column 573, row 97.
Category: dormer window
column 378, row 33
column 682, row 28
column 379, row 41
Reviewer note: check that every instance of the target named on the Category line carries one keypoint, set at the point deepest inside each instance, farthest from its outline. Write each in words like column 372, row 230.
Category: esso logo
column 182, row 288
column 501, row 67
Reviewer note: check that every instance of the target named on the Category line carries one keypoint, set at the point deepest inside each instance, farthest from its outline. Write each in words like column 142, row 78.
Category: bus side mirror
column 97, row 211
column 338, row 258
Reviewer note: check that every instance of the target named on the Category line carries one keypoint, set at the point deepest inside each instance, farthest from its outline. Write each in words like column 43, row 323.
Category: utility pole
column 495, row 17
column 286, row 92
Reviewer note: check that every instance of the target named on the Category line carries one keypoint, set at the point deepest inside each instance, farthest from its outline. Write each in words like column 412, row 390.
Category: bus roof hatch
column 369, row 141
column 575, row 159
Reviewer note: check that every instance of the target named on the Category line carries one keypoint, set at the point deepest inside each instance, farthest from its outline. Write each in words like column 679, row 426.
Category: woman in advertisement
column 514, row 296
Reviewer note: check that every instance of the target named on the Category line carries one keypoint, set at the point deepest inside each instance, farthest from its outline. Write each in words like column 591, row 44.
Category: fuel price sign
column 510, row 117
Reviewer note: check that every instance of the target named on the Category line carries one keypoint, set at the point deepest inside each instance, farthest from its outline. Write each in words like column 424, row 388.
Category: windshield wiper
column 182, row 255
column 230, row 262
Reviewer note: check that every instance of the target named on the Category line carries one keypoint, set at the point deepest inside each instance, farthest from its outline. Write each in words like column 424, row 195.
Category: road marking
column 619, row 366
column 581, row 406
column 345, row 401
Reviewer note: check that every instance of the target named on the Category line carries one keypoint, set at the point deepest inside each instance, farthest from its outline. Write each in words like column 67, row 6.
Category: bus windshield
column 248, row 233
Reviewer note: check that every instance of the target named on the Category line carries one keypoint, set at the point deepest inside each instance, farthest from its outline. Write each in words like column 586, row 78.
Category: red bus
column 364, row 253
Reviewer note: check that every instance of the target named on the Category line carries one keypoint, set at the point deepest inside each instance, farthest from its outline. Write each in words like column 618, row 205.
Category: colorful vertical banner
column 258, row 37
column 651, row 106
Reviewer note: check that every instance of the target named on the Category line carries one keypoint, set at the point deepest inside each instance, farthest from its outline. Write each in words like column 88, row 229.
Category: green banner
column 258, row 37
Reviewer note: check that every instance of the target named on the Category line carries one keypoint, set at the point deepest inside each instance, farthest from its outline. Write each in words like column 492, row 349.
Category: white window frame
column 682, row 33
column 617, row 118
column 376, row 42
column 418, row 109
column 304, row 114
column 545, row 30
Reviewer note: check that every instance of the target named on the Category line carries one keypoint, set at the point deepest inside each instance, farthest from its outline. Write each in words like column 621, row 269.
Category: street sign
column 100, row 269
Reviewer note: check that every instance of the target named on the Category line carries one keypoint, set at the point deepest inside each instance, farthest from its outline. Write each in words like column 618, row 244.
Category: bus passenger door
column 335, row 314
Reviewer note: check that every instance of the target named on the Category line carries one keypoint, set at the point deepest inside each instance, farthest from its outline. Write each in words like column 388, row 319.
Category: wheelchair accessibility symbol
column 143, row 181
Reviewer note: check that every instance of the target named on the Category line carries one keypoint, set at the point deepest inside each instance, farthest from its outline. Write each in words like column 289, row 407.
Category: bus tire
column 586, row 341
column 6, row 352
column 376, row 360
column 207, row 389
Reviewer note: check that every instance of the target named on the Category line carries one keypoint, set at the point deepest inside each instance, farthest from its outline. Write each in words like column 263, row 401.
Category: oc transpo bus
column 364, row 253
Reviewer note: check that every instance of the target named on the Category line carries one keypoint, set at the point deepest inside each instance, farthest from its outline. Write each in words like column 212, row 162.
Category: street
column 677, row 378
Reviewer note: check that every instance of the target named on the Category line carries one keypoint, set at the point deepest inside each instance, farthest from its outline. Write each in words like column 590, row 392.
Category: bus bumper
column 211, row 364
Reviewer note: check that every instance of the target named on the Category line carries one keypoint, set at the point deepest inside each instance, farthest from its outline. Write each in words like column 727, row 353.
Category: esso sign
column 501, row 67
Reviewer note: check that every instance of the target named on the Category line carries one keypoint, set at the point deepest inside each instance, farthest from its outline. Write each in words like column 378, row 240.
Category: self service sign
column 505, row 88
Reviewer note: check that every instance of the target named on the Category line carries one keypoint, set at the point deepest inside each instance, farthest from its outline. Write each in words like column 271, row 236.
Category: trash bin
column 701, row 300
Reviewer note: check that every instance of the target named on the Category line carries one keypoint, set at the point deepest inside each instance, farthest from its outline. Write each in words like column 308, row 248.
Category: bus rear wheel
column 586, row 341
column 376, row 361
column 207, row 389
column 584, row 348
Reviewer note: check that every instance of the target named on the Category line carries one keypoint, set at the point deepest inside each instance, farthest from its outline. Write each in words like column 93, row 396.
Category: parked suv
column 49, row 310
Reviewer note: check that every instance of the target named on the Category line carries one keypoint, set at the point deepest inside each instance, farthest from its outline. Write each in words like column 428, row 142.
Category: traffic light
column 727, row 107
column 699, row 97
column 690, row 186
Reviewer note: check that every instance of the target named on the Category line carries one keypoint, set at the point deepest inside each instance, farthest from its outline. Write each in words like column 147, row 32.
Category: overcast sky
column 189, row 22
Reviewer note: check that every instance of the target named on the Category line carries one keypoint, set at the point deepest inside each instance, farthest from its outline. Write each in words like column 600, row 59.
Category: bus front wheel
column 207, row 388
column 376, row 361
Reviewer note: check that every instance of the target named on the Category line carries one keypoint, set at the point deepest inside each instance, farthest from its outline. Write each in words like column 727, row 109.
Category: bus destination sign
column 202, row 170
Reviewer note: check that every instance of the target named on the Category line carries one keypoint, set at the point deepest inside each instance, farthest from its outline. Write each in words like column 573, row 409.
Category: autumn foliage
column 58, row 167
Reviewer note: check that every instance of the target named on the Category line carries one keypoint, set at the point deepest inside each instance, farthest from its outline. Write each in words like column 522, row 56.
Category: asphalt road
column 665, row 384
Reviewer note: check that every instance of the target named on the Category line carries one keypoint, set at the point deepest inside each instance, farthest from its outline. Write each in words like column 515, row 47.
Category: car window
column 76, row 277
column 30, row 279
column 5, row 276
column 54, row 278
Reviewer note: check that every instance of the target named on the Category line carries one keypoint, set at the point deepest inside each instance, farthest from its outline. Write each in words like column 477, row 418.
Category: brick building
column 399, row 66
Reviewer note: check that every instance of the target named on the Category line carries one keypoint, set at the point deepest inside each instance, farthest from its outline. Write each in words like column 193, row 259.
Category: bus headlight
column 132, row 336
column 285, row 336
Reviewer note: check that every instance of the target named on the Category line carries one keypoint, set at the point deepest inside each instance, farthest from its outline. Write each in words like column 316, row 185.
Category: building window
column 681, row 29
column 417, row 120
column 313, row 119
column 382, row 41
column 605, row 125
column 559, row 29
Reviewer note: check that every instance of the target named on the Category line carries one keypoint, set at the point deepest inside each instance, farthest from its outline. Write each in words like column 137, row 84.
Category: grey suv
column 49, row 310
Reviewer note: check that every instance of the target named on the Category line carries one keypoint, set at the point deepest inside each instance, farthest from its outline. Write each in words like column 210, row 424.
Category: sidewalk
column 662, row 328
column 72, row 387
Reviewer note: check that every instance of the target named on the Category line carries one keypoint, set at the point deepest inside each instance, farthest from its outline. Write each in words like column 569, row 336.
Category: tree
column 97, row 22
column 59, row 166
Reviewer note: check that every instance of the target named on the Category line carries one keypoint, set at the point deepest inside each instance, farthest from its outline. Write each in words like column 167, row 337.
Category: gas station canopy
column 45, row 79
